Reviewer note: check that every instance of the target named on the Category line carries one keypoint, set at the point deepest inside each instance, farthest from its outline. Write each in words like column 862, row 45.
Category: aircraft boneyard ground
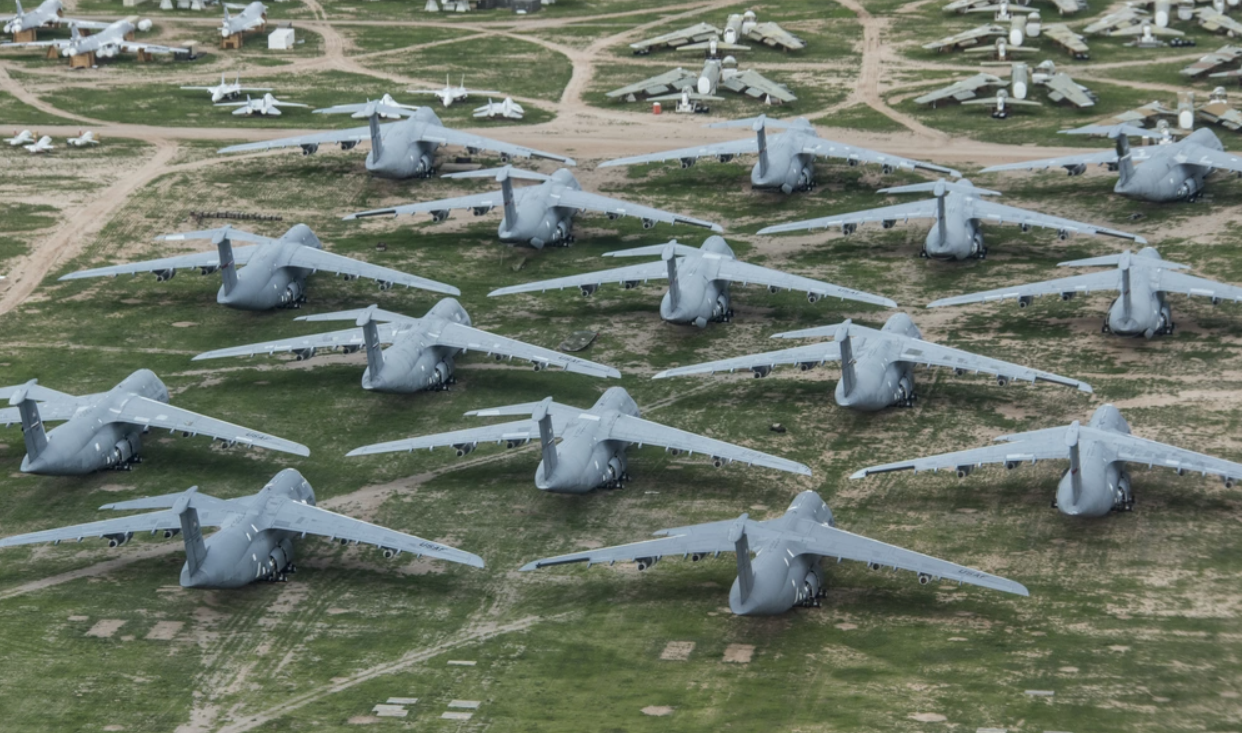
column 1133, row 622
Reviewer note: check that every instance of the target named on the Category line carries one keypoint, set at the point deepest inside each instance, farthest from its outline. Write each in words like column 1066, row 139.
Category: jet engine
column 616, row 469
column 122, row 454
column 304, row 354
column 144, row 25
column 812, row 297
column 465, row 448
column 516, row 442
column 588, row 290
column 391, row 552
column 811, row 590
column 687, row 162
column 646, row 562
column 280, row 558
column 384, row 284
column 721, row 310
column 293, row 296
column 1076, row 170
column 720, row 462
column 311, row 149
column 108, row 50
column 441, row 373
column 964, row 471
column 649, row 223
column 170, row 533
column 439, row 215
column 162, row 275
column 724, row 157
column 208, row 269
column 630, row 284
column 1025, row 300
column 480, row 210
column 761, row 371
column 1189, row 189
column 118, row 539
column 349, row 144
column 425, row 168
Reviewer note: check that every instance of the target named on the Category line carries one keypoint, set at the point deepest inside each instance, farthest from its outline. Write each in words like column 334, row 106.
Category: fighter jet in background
column 265, row 106
column 1142, row 280
column 386, row 108
column 739, row 27
column 969, row 38
column 962, row 90
column 592, row 451
column 1002, row 104
column 1097, row 481
column 450, row 93
column 104, row 430
column 506, row 109
column 423, row 352
column 256, row 539
column 42, row 145
column 717, row 73
column 227, row 90
column 47, row 14
column 788, row 161
column 699, row 280
column 1073, row 43
column 1174, row 171
column 536, row 216
column 23, row 138
column 958, row 210
column 403, row 149
column 252, row 16
column 1222, row 56
column 83, row 140
column 786, row 571
column 110, row 41
column 877, row 367
column 275, row 270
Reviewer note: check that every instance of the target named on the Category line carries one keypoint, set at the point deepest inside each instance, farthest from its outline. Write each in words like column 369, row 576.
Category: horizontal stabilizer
column 496, row 173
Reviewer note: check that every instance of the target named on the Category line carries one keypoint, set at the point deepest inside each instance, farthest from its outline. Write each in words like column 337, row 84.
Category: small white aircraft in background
column 43, row 146
column 450, row 93
column 83, row 140
column 386, row 108
column 25, row 137
column 227, row 90
column 267, row 106
column 508, row 109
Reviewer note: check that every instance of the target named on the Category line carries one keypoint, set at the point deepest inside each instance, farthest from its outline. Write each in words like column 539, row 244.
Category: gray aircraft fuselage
column 782, row 164
column 1105, row 483
column 583, row 461
column 1163, row 177
column 954, row 236
column 412, row 363
column 237, row 555
column 88, row 441
column 695, row 295
column 48, row 13
column 535, row 220
column 880, row 379
column 397, row 152
column 267, row 281
column 1141, row 309
column 781, row 579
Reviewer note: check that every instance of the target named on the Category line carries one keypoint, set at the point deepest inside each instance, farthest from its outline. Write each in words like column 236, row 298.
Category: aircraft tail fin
column 228, row 266
column 670, row 258
column 1075, row 467
column 847, row 357
column 506, row 195
column 20, row 12
column 1126, row 301
column 741, row 545
column 377, row 140
column 191, row 531
column 543, row 416
column 74, row 35
column 762, row 135
column 32, row 423
column 370, row 335
column 1125, row 166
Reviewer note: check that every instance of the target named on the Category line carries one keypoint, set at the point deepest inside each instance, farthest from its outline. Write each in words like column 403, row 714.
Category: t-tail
column 20, row 12
column 1126, row 301
column 228, row 266
column 1125, row 166
column 370, row 335
column 669, row 256
column 1075, row 467
column 32, row 424
column 377, row 144
column 745, row 574
column 191, row 532
column 762, row 136
column 543, row 416
column 848, row 378
column 506, row 195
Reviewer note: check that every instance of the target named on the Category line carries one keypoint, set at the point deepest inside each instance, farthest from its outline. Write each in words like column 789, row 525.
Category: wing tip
column 532, row 565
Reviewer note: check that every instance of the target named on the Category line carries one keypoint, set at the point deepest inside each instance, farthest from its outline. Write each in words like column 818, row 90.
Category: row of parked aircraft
column 43, row 144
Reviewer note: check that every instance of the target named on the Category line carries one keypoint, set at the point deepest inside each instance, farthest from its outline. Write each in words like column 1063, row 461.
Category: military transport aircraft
column 275, row 270
column 104, row 430
column 698, row 281
column 256, row 537
column 1173, row 171
column 592, row 451
column 1097, row 481
column 787, row 162
column 252, row 16
column 958, row 209
column 403, row 149
column 227, row 90
column 786, row 570
column 47, row 14
column 423, row 352
column 536, row 216
column 1142, row 280
column 111, row 40
column 877, row 366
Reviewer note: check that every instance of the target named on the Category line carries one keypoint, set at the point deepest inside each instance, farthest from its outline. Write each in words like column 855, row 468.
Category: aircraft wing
column 57, row 42
column 644, row 432
column 1061, row 86
column 746, row 273
column 918, row 351
column 136, row 47
column 771, row 34
column 1039, row 445
column 961, row 90
column 37, row 392
column 1223, row 114
column 147, row 412
column 1214, row 20
column 1195, row 154
column 1213, row 61
column 1063, row 36
column 669, row 81
column 753, row 84
column 615, row 207
column 990, row 211
column 294, row 516
column 351, row 135
column 1171, row 281
column 1140, row 450
column 211, row 259
column 632, row 273
column 966, row 38
column 468, row 338
column 1009, row 102
column 1103, row 280
column 724, row 150
column 808, row 537
column 693, row 34
column 317, row 259
column 347, row 338
column 517, row 431
column 809, row 355
column 897, row 212
column 480, row 201
column 830, row 149
column 448, row 136
column 1067, row 161
column 698, row 540
column 151, row 522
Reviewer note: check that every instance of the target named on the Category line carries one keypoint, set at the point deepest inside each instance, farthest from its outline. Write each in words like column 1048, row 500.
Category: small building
column 281, row 39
